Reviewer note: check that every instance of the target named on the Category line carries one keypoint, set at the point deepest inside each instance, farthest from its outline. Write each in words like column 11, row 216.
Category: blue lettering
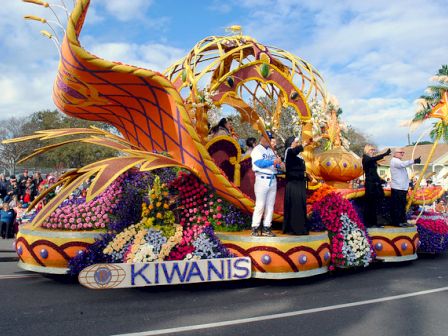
column 244, row 268
column 211, row 267
column 139, row 273
column 175, row 269
column 194, row 271
column 157, row 273
column 229, row 269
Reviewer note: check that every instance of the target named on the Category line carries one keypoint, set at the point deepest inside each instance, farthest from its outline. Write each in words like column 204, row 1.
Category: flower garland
column 198, row 205
column 350, row 244
column 115, row 208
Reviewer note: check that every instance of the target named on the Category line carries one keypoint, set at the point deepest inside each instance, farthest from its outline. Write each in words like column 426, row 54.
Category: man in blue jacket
column 7, row 218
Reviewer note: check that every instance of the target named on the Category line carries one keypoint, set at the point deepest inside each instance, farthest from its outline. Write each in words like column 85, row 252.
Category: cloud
column 28, row 61
column 151, row 56
column 380, row 118
column 220, row 7
column 126, row 10
column 376, row 57
column 365, row 51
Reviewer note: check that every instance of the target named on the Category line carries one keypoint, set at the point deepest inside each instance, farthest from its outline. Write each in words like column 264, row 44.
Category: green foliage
column 432, row 98
column 68, row 156
column 421, row 143
column 357, row 140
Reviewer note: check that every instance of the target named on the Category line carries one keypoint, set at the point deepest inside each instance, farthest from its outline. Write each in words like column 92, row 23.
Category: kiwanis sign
column 102, row 276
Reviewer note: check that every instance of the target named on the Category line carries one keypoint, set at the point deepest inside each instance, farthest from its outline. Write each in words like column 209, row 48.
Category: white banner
column 102, row 276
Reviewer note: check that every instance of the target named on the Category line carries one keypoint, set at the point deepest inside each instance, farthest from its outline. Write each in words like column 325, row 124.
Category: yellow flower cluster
column 147, row 222
column 159, row 204
column 122, row 238
column 172, row 241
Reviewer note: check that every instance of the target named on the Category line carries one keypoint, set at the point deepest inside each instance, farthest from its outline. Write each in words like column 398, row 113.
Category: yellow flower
column 153, row 196
column 159, row 215
column 166, row 206
column 158, row 204
column 151, row 207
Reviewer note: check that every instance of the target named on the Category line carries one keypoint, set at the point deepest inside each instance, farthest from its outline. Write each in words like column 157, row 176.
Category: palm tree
column 433, row 105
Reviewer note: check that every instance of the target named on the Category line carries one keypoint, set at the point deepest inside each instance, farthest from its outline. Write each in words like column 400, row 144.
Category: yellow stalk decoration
column 46, row 34
column 35, row 18
column 38, row 2
column 422, row 173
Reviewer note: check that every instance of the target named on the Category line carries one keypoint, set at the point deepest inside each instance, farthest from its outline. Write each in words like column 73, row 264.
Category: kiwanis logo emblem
column 101, row 276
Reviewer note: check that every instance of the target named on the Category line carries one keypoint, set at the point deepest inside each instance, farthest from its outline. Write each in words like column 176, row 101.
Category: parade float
column 176, row 204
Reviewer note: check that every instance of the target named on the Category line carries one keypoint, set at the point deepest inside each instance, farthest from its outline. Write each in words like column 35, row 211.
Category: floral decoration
column 156, row 236
column 113, row 209
column 198, row 205
column 432, row 228
column 350, row 244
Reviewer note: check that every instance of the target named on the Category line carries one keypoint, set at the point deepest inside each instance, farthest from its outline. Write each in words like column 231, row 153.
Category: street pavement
column 7, row 251
column 385, row 299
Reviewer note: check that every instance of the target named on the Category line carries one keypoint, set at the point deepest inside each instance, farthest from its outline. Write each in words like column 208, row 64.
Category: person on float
column 250, row 144
column 222, row 128
column 294, row 215
column 374, row 192
column 399, row 187
column 264, row 165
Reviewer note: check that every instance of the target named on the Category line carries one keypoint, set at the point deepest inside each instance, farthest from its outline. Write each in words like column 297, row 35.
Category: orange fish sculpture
column 159, row 127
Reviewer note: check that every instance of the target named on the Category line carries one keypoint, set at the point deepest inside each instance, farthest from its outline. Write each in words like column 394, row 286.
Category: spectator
column 29, row 193
column 14, row 202
column 7, row 219
column 37, row 179
column 22, row 181
column 13, row 189
column 3, row 186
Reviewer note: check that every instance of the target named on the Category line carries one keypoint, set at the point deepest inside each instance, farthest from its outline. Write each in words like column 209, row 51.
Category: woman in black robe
column 373, row 185
column 294, row 215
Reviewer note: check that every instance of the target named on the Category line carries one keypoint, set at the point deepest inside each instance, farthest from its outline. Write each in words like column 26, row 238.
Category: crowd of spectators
column 16, row 194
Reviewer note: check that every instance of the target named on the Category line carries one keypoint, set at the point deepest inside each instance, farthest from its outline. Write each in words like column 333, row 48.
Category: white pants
column 265, row 191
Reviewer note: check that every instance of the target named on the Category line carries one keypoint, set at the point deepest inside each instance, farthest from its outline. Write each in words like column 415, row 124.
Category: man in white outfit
column 264, row 163
column 399, row 187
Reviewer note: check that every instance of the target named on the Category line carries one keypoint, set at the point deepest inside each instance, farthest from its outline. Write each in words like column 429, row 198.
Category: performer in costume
column 399, row 187
column 373, row 184
column 295, row 193
column 264, row 163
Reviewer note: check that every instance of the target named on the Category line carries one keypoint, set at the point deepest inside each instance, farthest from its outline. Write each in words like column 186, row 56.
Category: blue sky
column 376, row 57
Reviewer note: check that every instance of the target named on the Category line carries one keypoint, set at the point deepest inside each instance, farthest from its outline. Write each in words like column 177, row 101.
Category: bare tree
column 10, row 154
